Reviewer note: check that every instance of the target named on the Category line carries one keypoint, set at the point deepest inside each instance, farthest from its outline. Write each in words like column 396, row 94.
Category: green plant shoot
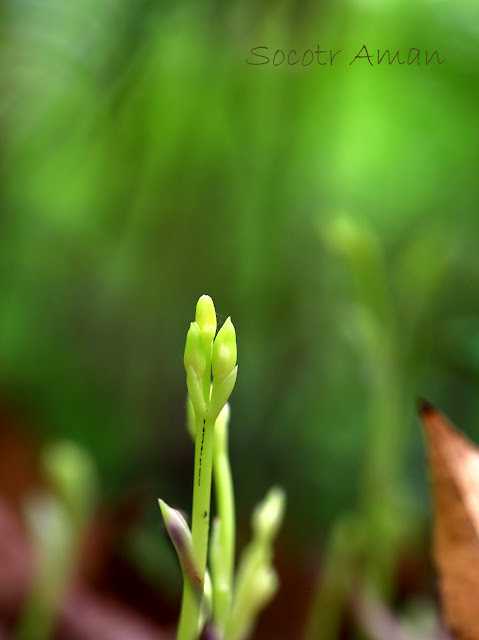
column 227, row 607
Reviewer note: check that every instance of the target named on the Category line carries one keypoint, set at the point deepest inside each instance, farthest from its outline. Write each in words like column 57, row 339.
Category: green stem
column 189, row 614
column 190, row 610
column 39, row 619
column 223, row 583
column 242, row 612
column 331, row 593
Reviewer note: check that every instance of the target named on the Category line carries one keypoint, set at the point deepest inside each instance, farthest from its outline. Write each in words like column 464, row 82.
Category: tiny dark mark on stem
column 201, row 452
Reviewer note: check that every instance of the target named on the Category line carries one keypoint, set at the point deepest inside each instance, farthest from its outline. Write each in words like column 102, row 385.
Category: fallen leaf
column 454, row 468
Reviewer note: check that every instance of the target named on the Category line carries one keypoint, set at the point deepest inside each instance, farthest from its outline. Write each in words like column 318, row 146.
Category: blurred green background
column 330, row 210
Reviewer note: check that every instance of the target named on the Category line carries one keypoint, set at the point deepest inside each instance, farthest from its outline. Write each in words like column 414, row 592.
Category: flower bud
column 194, row 353
column 71, row 471
column 220, row 393
column 206, row 318
column 196, row 393
column 224, row 352
column 177, row 527
column 268, row 515
column 182, row 540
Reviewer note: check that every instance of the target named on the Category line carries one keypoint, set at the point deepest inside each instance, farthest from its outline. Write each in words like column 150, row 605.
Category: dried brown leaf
column 454, row 468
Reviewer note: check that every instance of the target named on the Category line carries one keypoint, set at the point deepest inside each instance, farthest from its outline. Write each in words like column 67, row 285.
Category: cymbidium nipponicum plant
column 215, row 604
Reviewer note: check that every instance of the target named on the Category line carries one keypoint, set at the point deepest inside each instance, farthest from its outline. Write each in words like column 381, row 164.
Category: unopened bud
column 206, row 318
column 220, row 393
column 224, row 352
column 194, row 353
column 182, row 540
column 71, row 471
column 268, row 515
column 177, row 527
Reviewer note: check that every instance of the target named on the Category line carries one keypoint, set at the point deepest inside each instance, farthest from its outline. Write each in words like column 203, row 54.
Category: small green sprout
column 57, row 521
column 257, row 582
column 268, row 515
column 221, row 607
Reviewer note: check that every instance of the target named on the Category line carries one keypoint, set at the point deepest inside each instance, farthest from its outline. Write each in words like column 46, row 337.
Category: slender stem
column 188, row 627
column 202, row 491
column 38, row 620
column 330, row 596
column 243, row 610
column 223, row 583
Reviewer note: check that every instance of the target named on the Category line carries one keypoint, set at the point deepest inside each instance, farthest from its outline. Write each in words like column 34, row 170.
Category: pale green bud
column 206, row 318
column 220, row 393
column 195, row 392
column 71, row 471
column 268, row 515
column 224, row 352
column 194, row 353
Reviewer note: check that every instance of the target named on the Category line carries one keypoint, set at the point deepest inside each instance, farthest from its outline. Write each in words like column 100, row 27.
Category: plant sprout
column 214, row 602
column 57, row 520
